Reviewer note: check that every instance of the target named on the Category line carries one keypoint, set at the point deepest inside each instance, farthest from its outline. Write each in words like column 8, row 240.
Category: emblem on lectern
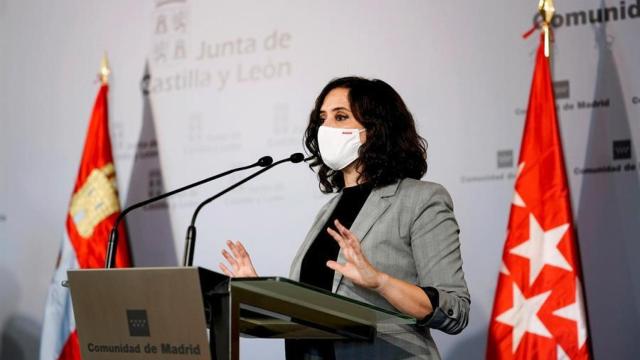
column 138, row 323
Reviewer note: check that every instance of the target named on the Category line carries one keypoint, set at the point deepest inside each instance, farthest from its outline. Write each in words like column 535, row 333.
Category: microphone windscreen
column 265, row 161
column 296, row 158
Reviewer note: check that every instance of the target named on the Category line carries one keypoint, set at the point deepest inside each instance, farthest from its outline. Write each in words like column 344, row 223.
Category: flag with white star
column 539, row 310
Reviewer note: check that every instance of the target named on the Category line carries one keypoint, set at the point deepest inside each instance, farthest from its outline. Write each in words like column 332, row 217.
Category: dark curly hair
column 393, row 150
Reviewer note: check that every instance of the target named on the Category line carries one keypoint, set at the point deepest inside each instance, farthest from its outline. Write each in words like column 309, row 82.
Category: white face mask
column 338, row 147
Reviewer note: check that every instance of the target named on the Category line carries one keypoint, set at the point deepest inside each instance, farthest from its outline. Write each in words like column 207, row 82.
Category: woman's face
column 336, row 112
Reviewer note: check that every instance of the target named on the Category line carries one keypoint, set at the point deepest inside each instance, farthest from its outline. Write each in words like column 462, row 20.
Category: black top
column 314, row 270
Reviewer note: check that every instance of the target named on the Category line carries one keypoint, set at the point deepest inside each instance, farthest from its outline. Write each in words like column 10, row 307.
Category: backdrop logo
column 116, row 129
column 138, row 323
column 505, row 159
column 624, row 11
column 171, row 25
column 621, row 149
column 155, row 187
column 561, row 89
column 155, row 183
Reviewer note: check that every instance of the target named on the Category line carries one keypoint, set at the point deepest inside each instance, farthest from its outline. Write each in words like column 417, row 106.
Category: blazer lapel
column 375, row 205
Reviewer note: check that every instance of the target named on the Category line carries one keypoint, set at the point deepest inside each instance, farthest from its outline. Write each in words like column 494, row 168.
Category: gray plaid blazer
column 407, row 230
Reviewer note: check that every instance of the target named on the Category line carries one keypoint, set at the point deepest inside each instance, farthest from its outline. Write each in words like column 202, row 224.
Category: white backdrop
column 179, row 114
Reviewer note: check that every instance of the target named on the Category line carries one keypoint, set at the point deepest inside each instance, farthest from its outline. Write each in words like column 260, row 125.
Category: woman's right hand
column 239, row 261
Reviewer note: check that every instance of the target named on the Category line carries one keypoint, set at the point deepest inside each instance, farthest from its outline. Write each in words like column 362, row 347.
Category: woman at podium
column 387, row 238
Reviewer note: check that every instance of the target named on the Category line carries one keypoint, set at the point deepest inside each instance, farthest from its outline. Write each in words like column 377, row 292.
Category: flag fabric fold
column 93, row 208
column 539, row 310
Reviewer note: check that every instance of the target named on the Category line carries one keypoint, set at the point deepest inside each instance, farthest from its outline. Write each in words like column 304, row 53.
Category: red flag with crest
column 539, row 310
column 93, row 210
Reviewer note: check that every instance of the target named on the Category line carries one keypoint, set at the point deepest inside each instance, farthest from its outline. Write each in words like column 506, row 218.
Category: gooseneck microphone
column 110, row 260
column 190, row 240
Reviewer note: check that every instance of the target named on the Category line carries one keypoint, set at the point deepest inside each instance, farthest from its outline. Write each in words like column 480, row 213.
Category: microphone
column 113, row 236
column 190, row 240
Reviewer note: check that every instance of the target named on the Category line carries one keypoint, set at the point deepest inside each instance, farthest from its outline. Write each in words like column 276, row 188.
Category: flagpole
column 546, row 10
column 105, row 70
column 110, row 259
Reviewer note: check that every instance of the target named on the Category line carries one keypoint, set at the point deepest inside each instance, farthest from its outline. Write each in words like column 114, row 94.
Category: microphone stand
column 112, row 246
column 190, row 239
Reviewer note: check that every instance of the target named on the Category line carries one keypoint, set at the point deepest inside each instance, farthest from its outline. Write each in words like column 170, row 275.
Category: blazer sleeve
column 436, row 251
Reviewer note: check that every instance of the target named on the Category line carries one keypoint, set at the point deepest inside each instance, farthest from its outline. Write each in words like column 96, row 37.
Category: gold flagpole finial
column 546, row 9
column 104, row 70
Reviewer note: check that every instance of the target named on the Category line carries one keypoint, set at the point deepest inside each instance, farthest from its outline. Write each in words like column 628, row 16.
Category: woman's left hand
column 356, row 268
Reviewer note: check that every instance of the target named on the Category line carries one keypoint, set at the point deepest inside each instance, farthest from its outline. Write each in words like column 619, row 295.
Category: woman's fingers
column 346, row 233
column 241, row 249
column 353, row 256
column 349, row 238
column 239, row 262
column 335, row 266
column 234, row 249
column 239, row 252
column 337, row 237
column 349, row 243
column 346, row 249
column 230, row 258
column 226, row 271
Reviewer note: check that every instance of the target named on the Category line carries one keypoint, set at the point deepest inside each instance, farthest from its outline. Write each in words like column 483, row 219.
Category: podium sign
column 138, row 314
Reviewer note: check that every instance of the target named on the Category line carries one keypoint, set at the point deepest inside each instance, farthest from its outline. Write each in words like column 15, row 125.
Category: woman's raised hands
column 239, row 261
column 357, row 267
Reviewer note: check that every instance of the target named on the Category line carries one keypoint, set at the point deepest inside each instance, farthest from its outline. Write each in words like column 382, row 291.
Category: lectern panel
column 282, row 308
column 139, row 314
column 325, row 302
